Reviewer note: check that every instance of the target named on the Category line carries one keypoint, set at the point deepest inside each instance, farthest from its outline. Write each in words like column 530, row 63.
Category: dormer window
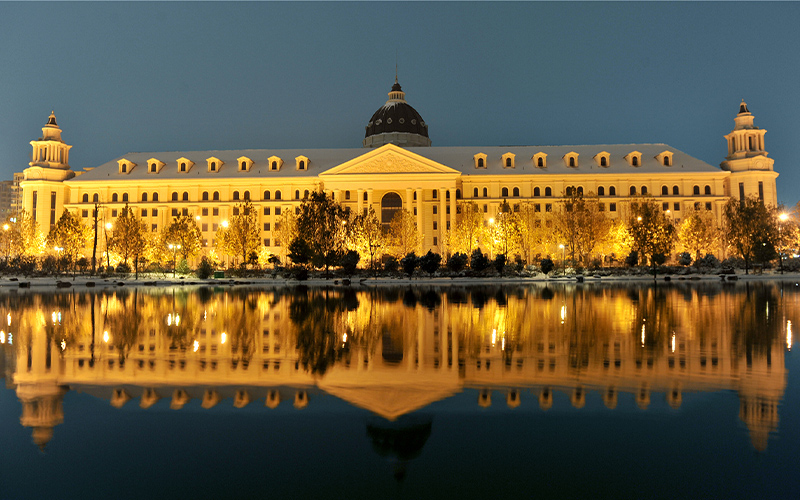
column 571, row 159
column 125, row 166
column 603, row 159
column 154, row 166
column 302, row 163
column 665, row 158
column 245, row 163
column 275, row 163
column 214, row 164
column 508, row 160
column 480, row 160
column 184, row 165
column 540, row 160
column 634, row 158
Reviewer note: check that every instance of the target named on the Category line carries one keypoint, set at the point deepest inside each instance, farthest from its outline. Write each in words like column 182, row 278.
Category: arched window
column 435, row 193
column 537, row 191
column 213, row 166
column 708, row 190
column 266, row 195
column 215, row 196
column 540, row 162
column 85, row 197
column 155, row 196
column 633, row 190
column 635, row 161
column 95, row 198
column 675, row 190
column 696, row 190
column 580, row 190
column 236, row 195
column 144, row 196
column 274, row 165
column 664, row 190
column 277, row 195
column 243, row 166
column 505, row 193
column 475, row 193
column 571, row 161
column 601, row 191
column 205, row 195
column 508, row 162
column 297, row 194
column 666, row 161
column 175, row 196
column 603, row 162
column 302, row 165
column 480, row 162
column 644, row 189
column 570, row 190
column 390, row 204
column 516, row 191
column 548, row 191
column 185, row 196
column 305, row 194
column 485, row 192
column 612, row 191
column 114, row 197
column 247, row 195
column 183, row 167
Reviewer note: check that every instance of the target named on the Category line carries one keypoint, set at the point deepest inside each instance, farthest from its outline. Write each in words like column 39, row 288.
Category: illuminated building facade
column 396, row 168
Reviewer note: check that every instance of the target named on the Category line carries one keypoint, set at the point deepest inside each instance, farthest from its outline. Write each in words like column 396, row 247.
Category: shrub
column 658, row 259
column 547, row 265
column 409, row 263
column 49, row 264
column 391, row 265
column 685, row 259
column 632, row 259
column 123, row 268
column 457, row 262
column 83, row 264
column 478, row 261
column 300, row 273
column 430, row 262
column 183, row 267
column 349, row 262
column 500, row 262
column 204, row 269
column 707, row 261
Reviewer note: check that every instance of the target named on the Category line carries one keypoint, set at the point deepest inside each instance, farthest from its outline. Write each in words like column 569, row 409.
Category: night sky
column 126, row 77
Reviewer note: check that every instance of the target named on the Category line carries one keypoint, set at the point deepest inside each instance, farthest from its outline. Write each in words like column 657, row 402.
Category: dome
column 396, row 122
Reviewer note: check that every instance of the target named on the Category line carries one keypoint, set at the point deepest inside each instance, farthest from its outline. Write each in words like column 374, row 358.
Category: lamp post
column 108, row 227
column 782, row 217
column 174, row 249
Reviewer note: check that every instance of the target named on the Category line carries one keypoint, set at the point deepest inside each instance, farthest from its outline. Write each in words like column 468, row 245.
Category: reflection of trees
column 316, row 315
column 755, row 323
column 244, row 321
column 123, row 320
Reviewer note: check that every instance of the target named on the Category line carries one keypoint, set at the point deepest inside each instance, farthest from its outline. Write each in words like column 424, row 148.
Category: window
column 297, row 194
column 580, row 190
column 274, row 165
column 435, row 226
column 301, row 165
column 205, row 212
column 305, row 194
column 123, row 168
column 644, row 189
column 435, row 210
column 213, row 166
column 175, row 196
column 665, row 206
column 266, row 242
column 435, row 194
column 485, row 192
column 475, row 192
column 266, row 195
column 708, row 190
column 540, row 162
column 741, row 191
column 761, row 191
column 247, row 195
column 347, row 195
column 205, row 196
column 612, row 191
column 708, row 205
column 277, row 197
column 664, row 190
column 215, row 196
column 485, row 208
column 571, row 161
column 601, row 191
column 114, row 213
column 95, row 198
column 144, row 196
column 480, row 163
column 154, row 227
column 185, row 196
column 537, row 208
column 666, row 161
column 153, row 168
column 635, row 161
column 85, row 198
column 633, row 190
column 155, row 196
column 548, row 207
column 236, row 195
column 458, row 194
column 603, row 161
column 697, row 205
column 612, row 207
column 277, row 210
column 435, row 241
column 85, row 214
column 675, row 190
column 267, row 210
column 183, row 167
column 537, row 191
column 266, row 226
column 676, row 207
column 215, row 212
column 243, row 166
column 505, row 192
column 114, row 197
column 144, row 212
column 516, row 191
column 174, row 212
column 154, row 212
column 696, row 190
column 548, row 191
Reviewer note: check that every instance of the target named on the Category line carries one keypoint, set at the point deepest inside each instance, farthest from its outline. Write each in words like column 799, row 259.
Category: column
column 442, row 220
column 409, row 200
column 420, row 228
column 369, row 198
column 452, row 192
column 360, row 201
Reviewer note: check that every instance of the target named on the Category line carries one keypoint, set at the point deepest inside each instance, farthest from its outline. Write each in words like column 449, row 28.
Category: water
column 685, row 390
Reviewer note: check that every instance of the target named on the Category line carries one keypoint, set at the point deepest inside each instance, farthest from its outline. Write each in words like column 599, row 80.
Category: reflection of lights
column 8, row 318
column 56, row 317
column 643, row 327
column 672, row 347
column 223, row 337
column 503, row 344
column 196, row 346
column 63, row 344
column 494, row 337
column 344, row 337
column 10, row 339
column 767, row 311
column 173, row 319
column 789, row 334
column 105, row 336
column 205, row 313
column 563, row 313
column 2, row 337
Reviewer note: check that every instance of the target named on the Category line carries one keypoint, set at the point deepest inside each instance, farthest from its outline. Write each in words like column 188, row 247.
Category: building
column 396, row 168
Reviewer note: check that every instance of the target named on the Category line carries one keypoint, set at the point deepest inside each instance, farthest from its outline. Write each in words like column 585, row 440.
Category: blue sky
column 125, row 77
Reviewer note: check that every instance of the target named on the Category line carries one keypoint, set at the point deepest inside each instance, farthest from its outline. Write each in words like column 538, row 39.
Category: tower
column 752, row 173
column 43, row 189
column 396, row 122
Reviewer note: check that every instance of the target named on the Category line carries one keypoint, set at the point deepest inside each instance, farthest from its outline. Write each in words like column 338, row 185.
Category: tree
column 26, row 239
column 457, row 262
column 580, row 223
column 409, row 263
column 466, row 234
column 367, row 235
column 430, row 262
column 183, row 231
column 478, row 260
column 300, row 252
column 285, row 230
column 503, row 233
column 698, row 232
column 69, row 234
column 749, row 224
column 537, row 235
column 403, row 235
column 242, row 236
column 129, row 236
column 652, row 232
column 321, row 223
column 617, row 241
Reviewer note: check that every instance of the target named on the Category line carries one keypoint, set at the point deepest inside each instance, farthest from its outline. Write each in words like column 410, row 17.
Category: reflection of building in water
column 395, row 351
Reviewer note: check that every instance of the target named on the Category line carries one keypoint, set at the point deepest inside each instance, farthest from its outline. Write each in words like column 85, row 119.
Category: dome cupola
column 396, row 122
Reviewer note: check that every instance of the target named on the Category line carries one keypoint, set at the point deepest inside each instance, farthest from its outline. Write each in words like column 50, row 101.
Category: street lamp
column 107, row 229
column 174, row 249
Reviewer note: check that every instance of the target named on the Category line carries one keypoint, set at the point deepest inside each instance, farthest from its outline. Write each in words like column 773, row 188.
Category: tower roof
column 52, row 119
column 743, row 107
column 396, row 116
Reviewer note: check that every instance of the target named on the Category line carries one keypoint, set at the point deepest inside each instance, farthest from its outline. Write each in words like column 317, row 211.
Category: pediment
column 391, row 402
column 390, row 159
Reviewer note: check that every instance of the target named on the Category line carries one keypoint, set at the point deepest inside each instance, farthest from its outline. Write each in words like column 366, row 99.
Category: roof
column 460, row 158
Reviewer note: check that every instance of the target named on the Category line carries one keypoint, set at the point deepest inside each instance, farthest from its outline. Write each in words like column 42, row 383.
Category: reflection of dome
column 400, row 441
column 396, row 122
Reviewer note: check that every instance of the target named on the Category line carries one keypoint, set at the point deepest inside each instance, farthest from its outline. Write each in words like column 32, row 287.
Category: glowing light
column 672, row 346
column 789, row 334
column 197, row 218
column 109, row 225
column 196, row 346
column 225, row 223
column 8, row 318
column 643, row 327
column 563, row 313
column 491, row 220
column 63, row 344
column 494, row 337
column 503, row 344
column 5, row 227
column 344, row 337
column 2, row 337
column 223, row 337
column 639, row 218
column 105, row 336
column 783, row 217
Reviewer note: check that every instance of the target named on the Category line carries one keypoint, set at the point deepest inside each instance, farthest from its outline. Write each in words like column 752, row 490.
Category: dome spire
column 743, row 108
